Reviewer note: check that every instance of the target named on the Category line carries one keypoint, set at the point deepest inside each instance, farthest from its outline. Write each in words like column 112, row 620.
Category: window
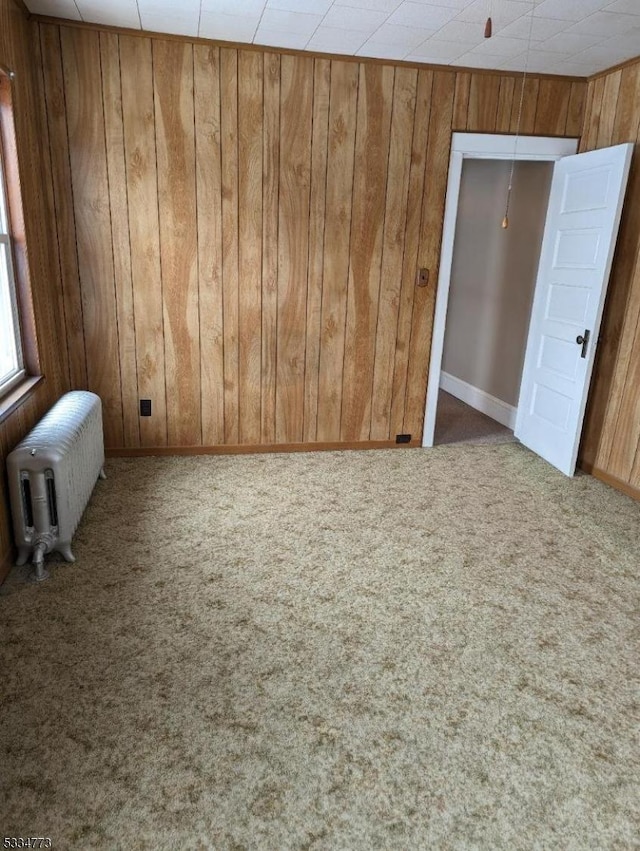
column 19, row 360
column 11, row 360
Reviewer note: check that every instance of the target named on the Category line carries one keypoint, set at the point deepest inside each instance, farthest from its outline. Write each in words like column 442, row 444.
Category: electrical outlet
column 145, row 407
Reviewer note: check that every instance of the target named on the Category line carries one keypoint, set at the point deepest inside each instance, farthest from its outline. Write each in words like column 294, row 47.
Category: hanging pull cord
column 505, row 220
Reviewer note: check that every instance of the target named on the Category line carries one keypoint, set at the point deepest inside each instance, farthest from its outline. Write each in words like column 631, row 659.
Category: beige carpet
column 457, row 422
column 368, row 650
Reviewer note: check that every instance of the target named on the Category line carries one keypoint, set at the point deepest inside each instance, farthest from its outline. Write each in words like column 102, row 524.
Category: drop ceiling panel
column 574, row 37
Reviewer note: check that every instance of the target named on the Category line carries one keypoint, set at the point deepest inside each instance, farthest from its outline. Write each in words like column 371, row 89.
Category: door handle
column 583, row 340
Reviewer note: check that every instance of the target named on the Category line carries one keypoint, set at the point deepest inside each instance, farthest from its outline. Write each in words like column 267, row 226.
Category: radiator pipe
column 41, row 573
column 42, row 544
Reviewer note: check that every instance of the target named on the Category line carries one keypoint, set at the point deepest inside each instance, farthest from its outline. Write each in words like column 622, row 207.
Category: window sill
column 19, row 394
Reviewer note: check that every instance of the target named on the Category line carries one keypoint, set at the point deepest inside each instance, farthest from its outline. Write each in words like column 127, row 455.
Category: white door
column 584, row 211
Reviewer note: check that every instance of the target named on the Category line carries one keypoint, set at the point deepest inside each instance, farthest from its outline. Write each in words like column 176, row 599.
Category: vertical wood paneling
column 229, row 131
column 461, row 101
column 90, row 186
column 63, row 199
column 296, row 96
column 552, row 109
column 209, row 218
column 270, row 195
column 114, row 137
column 142, row 192
column 367, row 223
column 342, row 134
column 55, row 301
column 608, row 112
column 575, row 110
column 266, row 216
column 627, row 118
column 611, row 440
column 395, row 224
column 250, row 116
column 412, row 240
column 505, row 101
column 592, row 124
column 525, row 105
column 483, row 102
column 437, row 167
column 319, row 142
column 175, row 146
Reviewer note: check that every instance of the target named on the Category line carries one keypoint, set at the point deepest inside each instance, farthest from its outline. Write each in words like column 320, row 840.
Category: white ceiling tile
column 451, row 4
column 160, row 22
column 387, row 6
column 605, row 24
column 573, row 69
column 540, row 28
column 568, row 10
column 626, row 43
column 382, row 51
column 444, row 51
column 348, row 18
column 499, row 46
column 228, row 27
column 540, row 61
column 515, row 63
column 233, row 7
column 568, row 36
column 275, row 38
column 503, row 12
column 55, row 8
column 333, row 40
column 117, row 13
column 568, row 42
column 604, row 52
column 310, row 7
column 625, row 7
column 294, row 22
column 479, row 60
column 418, row 15
column 462, row 31
column 169, row 7
column 406, row 37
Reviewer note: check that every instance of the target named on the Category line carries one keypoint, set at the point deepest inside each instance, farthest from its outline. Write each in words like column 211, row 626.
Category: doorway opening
column 493, row 278
column 486, row 284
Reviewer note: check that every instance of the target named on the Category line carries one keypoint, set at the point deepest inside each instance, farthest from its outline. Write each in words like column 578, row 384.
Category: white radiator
column 52, row 473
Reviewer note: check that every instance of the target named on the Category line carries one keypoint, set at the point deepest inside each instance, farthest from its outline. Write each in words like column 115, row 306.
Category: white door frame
column 481, row 146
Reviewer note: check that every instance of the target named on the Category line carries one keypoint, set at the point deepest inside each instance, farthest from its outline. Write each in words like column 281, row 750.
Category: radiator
column 52, row 473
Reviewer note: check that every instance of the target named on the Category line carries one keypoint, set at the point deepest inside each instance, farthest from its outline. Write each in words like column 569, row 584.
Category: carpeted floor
column 457, row 422
column 363, row 650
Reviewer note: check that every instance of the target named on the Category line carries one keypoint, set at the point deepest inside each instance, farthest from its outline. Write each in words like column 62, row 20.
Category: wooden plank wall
column 18, row 45
column 248, row 227
column 611, row 444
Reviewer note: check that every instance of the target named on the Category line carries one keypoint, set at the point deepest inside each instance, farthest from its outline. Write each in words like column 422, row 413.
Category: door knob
column 583, row 340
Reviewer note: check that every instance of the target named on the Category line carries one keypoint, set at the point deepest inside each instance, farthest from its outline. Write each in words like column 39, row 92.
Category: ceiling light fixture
column 505, row 221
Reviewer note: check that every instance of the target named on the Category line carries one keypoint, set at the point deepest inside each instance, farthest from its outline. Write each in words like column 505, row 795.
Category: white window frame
column 5, row 238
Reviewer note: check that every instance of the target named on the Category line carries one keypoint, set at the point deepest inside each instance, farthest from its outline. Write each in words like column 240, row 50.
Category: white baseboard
column 498, row 410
